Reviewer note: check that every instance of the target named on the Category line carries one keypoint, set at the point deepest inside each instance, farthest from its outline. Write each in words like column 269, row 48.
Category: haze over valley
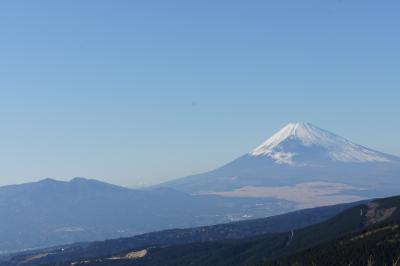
column 199, row 133
column 301, row 166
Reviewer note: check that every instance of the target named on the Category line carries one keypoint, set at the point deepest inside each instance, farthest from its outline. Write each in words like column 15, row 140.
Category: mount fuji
column 303, row 144
column 304, row 164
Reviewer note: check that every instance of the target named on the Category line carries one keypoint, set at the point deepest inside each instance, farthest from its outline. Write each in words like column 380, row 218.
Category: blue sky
column 145, row 91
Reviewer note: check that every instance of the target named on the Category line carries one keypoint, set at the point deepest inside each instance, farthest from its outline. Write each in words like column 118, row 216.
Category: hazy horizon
column 140, row 92
column 199, row 132
column 138, row 184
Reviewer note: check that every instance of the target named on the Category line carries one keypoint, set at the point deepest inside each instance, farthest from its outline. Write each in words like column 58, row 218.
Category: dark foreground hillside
column 375, row 246
column 237, row 230
column 368, row 233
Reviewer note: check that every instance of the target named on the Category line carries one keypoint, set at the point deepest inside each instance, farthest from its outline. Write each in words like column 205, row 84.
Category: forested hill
column 376, row 222
column 236, row 230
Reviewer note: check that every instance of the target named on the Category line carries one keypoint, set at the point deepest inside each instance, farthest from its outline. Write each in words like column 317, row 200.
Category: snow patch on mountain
column 303, row 135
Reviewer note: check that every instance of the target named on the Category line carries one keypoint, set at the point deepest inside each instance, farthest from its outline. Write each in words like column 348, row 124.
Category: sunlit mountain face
column 303, row 144
column 301, row 166
column 304, row 164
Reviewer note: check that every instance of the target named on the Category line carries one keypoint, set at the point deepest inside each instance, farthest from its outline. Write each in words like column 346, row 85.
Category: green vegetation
column 375, row 246
column 367, row 234
column 170, row 238
column 364, row 235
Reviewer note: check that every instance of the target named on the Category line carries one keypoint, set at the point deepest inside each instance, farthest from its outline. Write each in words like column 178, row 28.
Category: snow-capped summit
column 297, row 141
column 298, row 160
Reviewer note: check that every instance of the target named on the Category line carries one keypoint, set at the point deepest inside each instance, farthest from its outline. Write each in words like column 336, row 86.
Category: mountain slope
column 237, row 230
column 301, row 159
column 301, row 143
column 355, row 223
column 378, row 245
column 51, row 212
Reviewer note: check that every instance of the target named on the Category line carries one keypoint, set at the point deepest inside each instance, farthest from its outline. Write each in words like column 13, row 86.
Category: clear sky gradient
column 144, row 91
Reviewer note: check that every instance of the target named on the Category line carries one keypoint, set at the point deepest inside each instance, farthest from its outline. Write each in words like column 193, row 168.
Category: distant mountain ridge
column 51, row 212
column 299, row 156
column 302, row 166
